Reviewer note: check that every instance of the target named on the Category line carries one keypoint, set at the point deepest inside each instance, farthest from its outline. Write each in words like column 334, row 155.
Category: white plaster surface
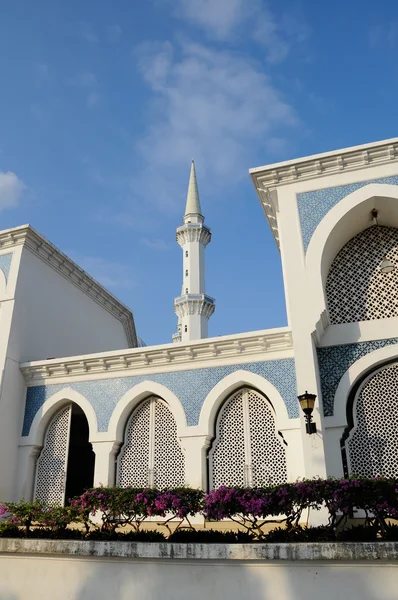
column 180, row 571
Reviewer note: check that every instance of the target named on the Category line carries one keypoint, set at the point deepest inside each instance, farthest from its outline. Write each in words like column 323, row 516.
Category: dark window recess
column 81, row 458
column 186, row 328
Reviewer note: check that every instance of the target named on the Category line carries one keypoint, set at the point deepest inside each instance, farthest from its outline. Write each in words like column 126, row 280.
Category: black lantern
column 386, row 266
column 307, row 402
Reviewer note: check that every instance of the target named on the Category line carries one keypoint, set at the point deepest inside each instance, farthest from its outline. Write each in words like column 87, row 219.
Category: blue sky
column 103, row 105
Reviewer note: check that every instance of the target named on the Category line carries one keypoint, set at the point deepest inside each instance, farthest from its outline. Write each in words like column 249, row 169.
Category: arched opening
column 356, row 289
column 369, row 444
column 247, row 449
column 65, row 466
column 151, row 454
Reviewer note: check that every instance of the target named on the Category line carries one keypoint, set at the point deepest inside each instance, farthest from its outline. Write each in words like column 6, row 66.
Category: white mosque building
column 209, row 411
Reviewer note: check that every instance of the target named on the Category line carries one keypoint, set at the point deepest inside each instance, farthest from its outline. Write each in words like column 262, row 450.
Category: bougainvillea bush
column 106, row 511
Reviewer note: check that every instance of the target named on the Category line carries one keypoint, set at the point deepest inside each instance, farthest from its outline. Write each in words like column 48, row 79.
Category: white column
column 105, row 457
column 195, row 448
column 294, row 453
column 334, row 462
column 26, row 472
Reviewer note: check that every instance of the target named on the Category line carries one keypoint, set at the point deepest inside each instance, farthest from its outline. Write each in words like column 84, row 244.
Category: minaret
column 193, row 307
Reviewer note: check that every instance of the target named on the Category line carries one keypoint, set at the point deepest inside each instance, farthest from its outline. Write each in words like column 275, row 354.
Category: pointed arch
column 354, row 374
column 247, row 448
column 233, row 382
column 50, row 407
column 133, row 397
column 346, row 219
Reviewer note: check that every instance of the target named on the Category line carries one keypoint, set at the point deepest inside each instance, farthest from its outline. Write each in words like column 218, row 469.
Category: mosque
column 84, row 403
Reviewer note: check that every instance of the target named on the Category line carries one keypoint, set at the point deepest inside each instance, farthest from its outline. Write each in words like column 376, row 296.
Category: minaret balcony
column 193, row 232
column 194, row 304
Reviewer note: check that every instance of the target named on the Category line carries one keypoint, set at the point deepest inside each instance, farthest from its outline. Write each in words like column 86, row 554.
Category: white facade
column 217, row 397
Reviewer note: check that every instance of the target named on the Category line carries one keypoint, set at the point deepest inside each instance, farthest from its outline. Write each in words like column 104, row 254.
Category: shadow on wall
column 220, row 581
column 71, row 578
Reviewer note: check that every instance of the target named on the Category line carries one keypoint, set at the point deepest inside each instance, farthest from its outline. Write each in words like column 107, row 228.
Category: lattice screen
column 247, row 450
column 52, row 462
column 267, row 449
column 228, row 457
column 133, row 461
column 151, row 454
column 373, row 443
column 356, row 290
column 168, row 458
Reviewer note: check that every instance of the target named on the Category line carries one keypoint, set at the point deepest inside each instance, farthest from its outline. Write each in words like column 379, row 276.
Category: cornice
column 233, row 349
column 269, row 178
column 50, row 254
column 193, row 232
column 327, row 163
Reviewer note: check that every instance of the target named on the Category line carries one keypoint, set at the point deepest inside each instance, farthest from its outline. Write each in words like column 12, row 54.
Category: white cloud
column 11, row 189
column 111, row 274
column 154, row 244
column 217, row 17
column 217, row 107
column 234, row 20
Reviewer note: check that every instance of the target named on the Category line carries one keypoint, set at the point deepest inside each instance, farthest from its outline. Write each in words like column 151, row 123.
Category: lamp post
column 307, row 402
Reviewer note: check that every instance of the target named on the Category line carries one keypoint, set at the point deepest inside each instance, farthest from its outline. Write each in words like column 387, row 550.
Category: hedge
column 252, row 508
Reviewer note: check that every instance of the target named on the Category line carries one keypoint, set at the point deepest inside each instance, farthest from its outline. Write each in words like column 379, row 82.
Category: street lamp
column 307, row 402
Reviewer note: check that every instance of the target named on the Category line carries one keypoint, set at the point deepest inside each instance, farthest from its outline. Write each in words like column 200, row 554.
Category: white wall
column 53, row 318
column 42, row 315
column 306, row 305
column 29, row 577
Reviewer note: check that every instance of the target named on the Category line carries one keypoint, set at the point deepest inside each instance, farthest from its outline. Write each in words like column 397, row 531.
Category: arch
column 371, row 437
column 151, row 453
column 133, row 397
column 345, row 220
column 352, row 376
column 50, row 407
column 247, row 448
column 3, row 283
column 224, row 388
column 355, row 288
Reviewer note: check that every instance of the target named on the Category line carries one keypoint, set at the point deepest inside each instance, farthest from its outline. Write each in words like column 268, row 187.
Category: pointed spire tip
column 193, row 201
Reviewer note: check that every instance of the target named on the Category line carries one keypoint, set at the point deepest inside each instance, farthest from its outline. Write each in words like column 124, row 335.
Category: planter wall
column 78, row 570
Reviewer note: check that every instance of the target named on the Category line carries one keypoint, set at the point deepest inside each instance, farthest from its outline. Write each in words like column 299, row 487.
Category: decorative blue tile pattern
column 334, row 361
column 5, row 264
column 313, row 206
column 191, row 387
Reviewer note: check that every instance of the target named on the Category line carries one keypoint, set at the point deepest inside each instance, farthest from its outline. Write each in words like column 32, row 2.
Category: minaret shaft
column 193, row 307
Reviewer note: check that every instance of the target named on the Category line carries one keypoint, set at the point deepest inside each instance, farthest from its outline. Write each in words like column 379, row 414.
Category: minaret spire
column 193, row 307
column 193, row 202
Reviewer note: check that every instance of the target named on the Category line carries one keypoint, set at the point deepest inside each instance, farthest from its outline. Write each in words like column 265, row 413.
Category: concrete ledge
column 347, row 551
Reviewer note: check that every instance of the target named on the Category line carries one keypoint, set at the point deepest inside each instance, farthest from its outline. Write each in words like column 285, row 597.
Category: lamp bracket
column 310, row 428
